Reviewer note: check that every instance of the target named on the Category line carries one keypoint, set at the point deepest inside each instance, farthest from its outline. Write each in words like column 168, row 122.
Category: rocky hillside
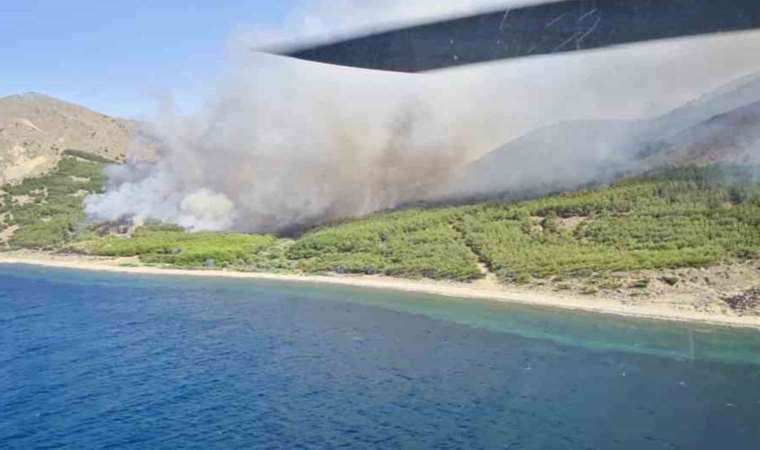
column 721, row 126
column 35, row 129
column 733, row 137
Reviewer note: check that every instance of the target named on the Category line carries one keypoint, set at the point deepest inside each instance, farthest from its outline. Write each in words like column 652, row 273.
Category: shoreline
column 501, row 294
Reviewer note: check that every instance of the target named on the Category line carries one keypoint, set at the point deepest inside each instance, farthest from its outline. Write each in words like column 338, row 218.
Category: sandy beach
column 656, row 309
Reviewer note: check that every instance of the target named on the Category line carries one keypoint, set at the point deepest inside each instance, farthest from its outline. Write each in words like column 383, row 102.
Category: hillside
column 680, row 215
column 720, row 126
column 35, row 129
column 692, row 235
column 733, row 136
column 691, row 232
column 556, row 158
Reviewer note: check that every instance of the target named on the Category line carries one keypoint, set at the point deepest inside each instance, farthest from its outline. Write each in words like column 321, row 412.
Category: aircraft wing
column 548, row 28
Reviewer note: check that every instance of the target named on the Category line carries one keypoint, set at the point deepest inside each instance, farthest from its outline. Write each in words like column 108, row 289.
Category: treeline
column 686, row 217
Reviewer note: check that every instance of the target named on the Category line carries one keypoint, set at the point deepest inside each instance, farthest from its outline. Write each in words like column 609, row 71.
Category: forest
column 674, row 218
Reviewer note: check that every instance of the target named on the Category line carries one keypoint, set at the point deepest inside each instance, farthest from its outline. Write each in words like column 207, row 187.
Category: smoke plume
column 284, row 144
column 287, row 144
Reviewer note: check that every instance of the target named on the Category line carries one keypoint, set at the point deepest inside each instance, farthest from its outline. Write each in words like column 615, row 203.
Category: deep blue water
column 115, row 361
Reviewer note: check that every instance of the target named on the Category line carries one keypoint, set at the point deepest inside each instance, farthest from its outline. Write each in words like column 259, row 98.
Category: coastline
column 477, row 290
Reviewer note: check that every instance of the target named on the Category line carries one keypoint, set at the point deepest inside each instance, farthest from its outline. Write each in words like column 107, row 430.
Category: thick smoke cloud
column 284, row 144
column 287, row 144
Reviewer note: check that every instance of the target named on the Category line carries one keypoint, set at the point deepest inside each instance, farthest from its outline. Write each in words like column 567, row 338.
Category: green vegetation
column 414, row 243
column 88, row 156
column 48, row 210
column 678, row 218
column 156, row 244
column 406, row 244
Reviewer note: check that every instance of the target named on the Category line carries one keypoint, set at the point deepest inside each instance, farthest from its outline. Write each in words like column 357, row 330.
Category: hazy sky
column 119, row 56
column 123, row 57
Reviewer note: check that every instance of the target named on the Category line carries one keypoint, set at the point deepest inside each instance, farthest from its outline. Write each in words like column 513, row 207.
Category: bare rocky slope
column 35, row 129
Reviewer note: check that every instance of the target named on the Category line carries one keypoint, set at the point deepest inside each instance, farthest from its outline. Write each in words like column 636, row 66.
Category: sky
column 118, row 57
column 125, row 57
column 128, row 57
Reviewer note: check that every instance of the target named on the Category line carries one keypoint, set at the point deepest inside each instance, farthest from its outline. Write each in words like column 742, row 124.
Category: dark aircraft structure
column 547, row 28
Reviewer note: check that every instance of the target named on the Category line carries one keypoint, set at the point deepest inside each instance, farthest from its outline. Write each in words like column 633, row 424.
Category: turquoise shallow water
column 91, row 360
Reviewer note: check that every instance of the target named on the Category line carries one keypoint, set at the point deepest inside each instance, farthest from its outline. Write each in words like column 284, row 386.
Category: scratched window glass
column 371, row 224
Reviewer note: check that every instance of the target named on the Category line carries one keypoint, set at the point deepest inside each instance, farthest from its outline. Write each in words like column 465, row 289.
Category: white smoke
column 284, row 143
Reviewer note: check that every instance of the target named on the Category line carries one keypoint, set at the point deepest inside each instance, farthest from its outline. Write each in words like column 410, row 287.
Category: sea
column 115, row 361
